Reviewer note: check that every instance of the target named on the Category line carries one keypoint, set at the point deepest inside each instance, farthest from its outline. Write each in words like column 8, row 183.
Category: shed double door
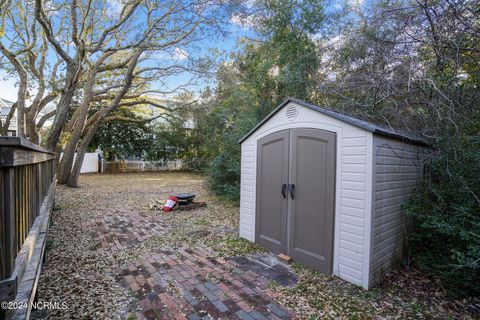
column 295, row 195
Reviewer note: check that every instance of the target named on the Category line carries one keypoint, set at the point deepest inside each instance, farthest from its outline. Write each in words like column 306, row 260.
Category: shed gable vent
column 291, row 112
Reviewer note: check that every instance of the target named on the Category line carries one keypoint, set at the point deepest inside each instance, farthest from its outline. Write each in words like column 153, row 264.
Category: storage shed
column 328, row 189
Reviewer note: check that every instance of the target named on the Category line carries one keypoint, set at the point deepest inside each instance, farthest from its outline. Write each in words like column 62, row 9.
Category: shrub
column 224, row 176
column 224, row 167
column 446, row 217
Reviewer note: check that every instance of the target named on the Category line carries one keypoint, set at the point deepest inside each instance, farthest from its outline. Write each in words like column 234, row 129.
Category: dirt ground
column 111, row 256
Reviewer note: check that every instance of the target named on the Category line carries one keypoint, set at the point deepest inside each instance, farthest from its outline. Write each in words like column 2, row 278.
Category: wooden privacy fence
column 27, row 188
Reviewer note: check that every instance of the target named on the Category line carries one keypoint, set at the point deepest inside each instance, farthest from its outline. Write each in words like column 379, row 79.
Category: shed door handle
column 291, row 187
column 284, row 190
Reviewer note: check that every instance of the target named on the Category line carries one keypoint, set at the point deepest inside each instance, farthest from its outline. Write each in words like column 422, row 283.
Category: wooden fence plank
column 27, row 188
column 9, row 220
column 2, row 227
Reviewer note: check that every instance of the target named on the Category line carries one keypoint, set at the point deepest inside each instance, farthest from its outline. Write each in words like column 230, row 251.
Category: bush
column 224, row 176
column 446, row 217
column 224, row 167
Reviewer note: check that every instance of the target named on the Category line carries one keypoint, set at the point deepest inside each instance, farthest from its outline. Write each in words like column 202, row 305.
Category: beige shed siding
column 398, row 168
column 352, row 205
column 247, row 192
column 353, row 188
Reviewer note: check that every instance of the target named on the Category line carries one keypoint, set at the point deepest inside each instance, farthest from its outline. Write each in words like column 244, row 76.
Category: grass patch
column 317, row 296
column 202, row 222
column 234, row 246
column 50, row 243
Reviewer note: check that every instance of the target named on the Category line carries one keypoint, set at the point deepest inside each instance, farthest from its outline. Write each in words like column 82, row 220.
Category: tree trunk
column 21, row 132
column 81, row 150
column 31, row 125
column 22, row 89
column 65, row 166
column 33, row 135
column 73, row 177
column 61, row 117
column 70, row 148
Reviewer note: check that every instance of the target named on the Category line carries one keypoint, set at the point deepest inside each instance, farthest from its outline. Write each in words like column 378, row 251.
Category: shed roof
column 368, row 126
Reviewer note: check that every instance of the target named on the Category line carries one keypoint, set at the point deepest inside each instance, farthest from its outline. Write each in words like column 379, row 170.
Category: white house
column 5, row 107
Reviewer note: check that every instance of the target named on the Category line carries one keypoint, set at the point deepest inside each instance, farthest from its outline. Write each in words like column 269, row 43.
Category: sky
column 225, row 45
column 8, row 88
column 236, row 30
column 8, row 85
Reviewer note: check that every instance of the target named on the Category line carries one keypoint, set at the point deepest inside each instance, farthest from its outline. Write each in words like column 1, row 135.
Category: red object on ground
column 170, row 203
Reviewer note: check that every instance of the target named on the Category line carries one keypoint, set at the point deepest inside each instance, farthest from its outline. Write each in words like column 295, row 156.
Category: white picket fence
column 140, row 166
column 91, row 164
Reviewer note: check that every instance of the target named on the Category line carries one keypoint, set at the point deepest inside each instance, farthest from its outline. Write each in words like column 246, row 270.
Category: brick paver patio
column 179, row 284
column 188, row 284
column 109, row 256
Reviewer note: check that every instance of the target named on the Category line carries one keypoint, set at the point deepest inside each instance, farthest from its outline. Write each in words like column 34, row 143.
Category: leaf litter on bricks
column 81, row 255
